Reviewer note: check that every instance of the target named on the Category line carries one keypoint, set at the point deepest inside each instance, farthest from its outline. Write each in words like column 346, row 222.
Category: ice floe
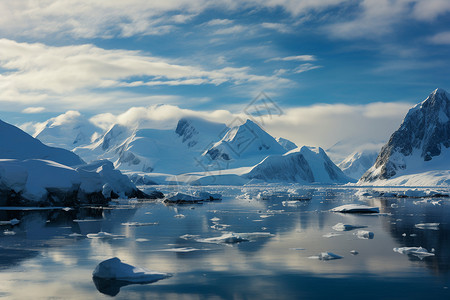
column 416, row 251
column 355, row 208
column 137, row 224
column 104, row 235
column 10, row 222
column 115, row 269
column 232, row 238
column 346, row 227
column 331, row 234
column 364, row 234
column 9, row 232
column 182, row 250
column 326, row 256
column 431, row 226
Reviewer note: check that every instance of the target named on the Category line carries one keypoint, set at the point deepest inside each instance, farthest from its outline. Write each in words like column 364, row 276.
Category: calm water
column 42, row 261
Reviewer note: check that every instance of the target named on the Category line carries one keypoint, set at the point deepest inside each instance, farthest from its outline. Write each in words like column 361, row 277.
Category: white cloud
column 305, row 57
column 441, row 38
column 282, row 28
column 218, row 22
column 37, row 73
column 305, row 68
column 317, row 125
column 33, row 110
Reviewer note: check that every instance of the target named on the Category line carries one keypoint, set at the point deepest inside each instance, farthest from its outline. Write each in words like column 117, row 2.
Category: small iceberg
column 103, row 235
column 346, row 227
column 137, row 224
column 416, row 251
column 364, row 234
column 431, row 226
column 326, row 256
column 356, row 208
column 10, row 222
column 181, row 250
column 9, row 232
column 227, row 238
column 110, row 275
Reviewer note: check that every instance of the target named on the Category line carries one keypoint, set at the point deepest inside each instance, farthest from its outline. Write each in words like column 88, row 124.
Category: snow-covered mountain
column 286, row 144
column 357, row 163
column 302, row 165
column 244, row 145
column 17, row 144
column 32, row 173
column 68, row 130
column 419, row 148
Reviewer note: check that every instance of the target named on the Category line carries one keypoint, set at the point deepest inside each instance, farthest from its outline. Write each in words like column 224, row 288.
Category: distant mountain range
column 199, row 151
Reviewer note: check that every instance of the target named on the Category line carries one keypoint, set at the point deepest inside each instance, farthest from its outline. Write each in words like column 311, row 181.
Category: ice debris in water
column 103, row 235
column 354, row 252
column 180, row 216
column 9, row 232
column 10, row 222
column 416, row 251
column 364, row 234
column 326, row 256
column 232, row 238
column 189, row 236
column 75, row 234
column 331, row 234
column 182, row 250
column 140, row 240
column 431, row 226
column 137, row 224
column 346, row 227
column 355, row 208
column 215, row 219
column 114, row 269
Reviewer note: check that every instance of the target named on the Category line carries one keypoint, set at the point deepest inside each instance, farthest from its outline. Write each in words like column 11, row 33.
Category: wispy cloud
column 295, row 58
column 305, row 68
column 441, row 38
column 33, row 110
column 38, row 69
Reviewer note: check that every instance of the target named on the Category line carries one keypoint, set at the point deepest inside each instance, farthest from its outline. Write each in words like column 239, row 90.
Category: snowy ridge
column 357, row 163
column 21, row 145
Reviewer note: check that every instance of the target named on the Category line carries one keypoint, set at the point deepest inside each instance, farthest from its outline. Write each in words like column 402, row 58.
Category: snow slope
column 357, row 163
column 286, row 144
column 302, row 165
column 16, row 144
column 68, row 130
column 244, row 145
column 419, row 151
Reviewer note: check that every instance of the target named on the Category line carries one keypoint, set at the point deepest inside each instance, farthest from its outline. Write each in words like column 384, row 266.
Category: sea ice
column 432, row 226
column 346, row 227
column 137, row 224
column 9, row 232
column 10, row 222
column 326, row 256
column 416, row 251
column 364, row 234
column 103, row 235
column 182, row 250
column 228, row 238
column 115, row 269
column 355, row 208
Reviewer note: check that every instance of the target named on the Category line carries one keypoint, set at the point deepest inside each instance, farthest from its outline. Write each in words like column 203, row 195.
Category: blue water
column 42, row 261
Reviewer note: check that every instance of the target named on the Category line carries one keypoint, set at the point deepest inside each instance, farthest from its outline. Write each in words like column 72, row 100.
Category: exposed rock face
column 425, row 132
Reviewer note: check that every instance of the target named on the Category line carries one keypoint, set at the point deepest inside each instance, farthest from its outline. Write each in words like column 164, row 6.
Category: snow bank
column 115, row 269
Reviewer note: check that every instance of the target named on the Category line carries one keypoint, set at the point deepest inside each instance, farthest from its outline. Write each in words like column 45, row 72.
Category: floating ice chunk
column 189, row 236
column 354, row 252
column 220, row 226
column 180, row 198
column 326, row 256
column 10, row 222
column 297, row 249
column 140, row 240
column 103, row 235
column 75, row 234
column 9, row 232
column 228, row 238
column 346, row 227
column 364, row 234
column 180, row 216
column 114, row 269
column 182, row 250
column 416, row 251
column 265, row 216
column 137, row 224
column 431, row 226
column 255, row 235
column 331, row 234
column 355, row 208
column 215, row 219
column 205, row 196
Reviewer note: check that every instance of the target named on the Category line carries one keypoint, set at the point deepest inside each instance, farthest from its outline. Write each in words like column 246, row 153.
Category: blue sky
column 108, row 56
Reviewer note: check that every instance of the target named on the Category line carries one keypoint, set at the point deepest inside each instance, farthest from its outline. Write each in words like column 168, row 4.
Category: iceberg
column 431, row 226
column 326, row 256
column 10, row 222
column 364, row 234
column 103, row 235
column 355, row 208
column 416, row 251
column 346, row 227
column 114, row 268
column 227, row 238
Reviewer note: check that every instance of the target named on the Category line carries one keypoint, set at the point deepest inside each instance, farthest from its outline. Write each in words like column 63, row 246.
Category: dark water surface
column 41, row 260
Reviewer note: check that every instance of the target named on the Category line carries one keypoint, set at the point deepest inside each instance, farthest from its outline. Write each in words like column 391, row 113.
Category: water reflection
column 264, row 268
